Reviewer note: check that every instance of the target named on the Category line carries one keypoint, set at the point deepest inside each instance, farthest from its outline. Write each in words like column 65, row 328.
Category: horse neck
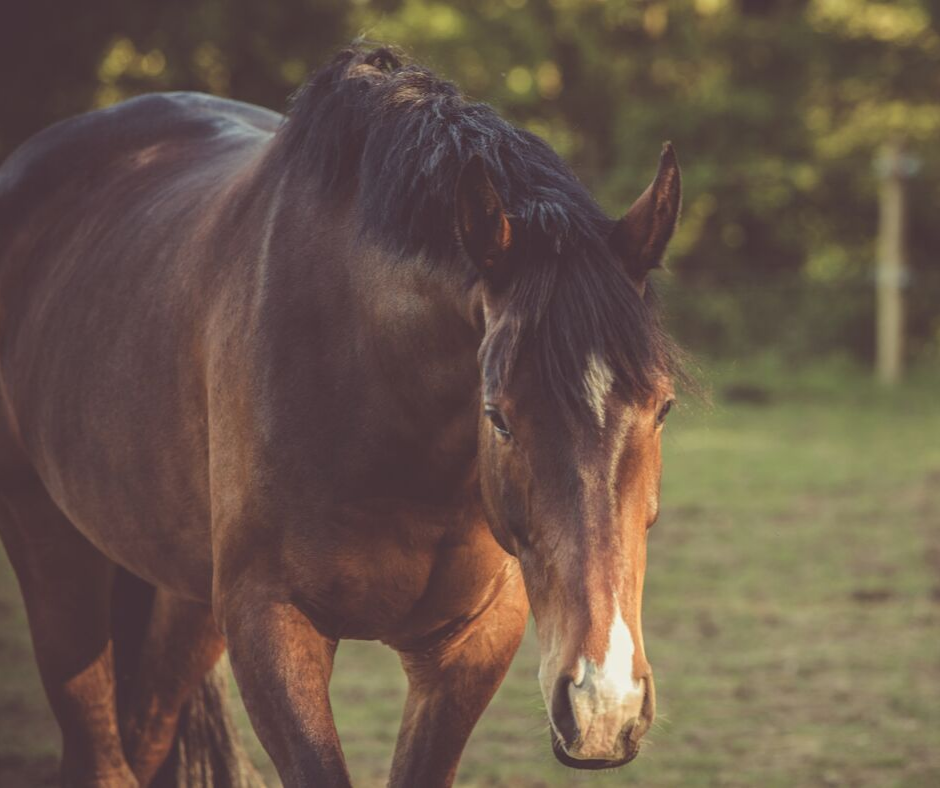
column 423, row 325
column 346, row 331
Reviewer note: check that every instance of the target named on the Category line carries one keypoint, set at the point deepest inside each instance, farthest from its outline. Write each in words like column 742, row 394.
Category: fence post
column 893, row 168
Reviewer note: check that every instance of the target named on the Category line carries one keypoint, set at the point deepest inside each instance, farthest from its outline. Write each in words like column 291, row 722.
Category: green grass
column 792, row 611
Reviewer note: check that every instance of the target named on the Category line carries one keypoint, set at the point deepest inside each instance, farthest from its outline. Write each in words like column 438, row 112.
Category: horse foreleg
column 283, row 667
column 450, row 685
column 66, row 585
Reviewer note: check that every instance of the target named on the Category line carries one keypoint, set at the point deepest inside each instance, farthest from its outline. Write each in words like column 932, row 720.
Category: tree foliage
column 776, row 107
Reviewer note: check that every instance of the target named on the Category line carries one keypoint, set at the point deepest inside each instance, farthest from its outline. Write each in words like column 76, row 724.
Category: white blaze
column 598, row 380
column 617, row 668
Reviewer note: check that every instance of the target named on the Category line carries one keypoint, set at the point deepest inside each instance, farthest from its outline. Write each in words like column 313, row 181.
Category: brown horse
column 382, row 370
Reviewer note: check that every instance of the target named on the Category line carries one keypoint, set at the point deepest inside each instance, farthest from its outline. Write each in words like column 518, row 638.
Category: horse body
column 124, row 447
column 213, row 380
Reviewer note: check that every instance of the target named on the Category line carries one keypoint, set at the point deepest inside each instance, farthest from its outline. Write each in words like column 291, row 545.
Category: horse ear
column 641, row 236
column 482, row 224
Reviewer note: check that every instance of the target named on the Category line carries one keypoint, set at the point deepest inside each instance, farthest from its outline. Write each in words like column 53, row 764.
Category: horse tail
column 206, row 752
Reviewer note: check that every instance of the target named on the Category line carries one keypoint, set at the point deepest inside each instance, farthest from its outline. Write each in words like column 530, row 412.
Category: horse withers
column 379, row 370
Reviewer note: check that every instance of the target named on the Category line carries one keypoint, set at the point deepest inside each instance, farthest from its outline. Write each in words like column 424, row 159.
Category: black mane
column 395, row 137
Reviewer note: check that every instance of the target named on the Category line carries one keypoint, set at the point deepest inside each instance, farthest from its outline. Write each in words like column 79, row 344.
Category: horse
column 382, row 369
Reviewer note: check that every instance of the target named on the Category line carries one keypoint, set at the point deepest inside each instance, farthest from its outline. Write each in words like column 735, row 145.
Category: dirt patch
column 872, row 596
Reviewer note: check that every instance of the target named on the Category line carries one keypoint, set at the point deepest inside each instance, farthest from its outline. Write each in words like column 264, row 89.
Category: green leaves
column 778, row 108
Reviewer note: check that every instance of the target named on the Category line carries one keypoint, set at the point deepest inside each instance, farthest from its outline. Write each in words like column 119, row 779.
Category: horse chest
column 395, row 572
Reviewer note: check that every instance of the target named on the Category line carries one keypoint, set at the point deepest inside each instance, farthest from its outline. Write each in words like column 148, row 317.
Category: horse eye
column 664, row 411
column 499, row 423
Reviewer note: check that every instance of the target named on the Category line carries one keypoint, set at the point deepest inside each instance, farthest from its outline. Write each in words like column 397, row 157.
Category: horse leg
column 283, row 667
column 450, row 685
column 181, row 645
column 66, row 585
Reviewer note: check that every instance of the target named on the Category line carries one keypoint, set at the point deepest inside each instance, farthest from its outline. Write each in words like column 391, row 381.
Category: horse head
column 576, row 387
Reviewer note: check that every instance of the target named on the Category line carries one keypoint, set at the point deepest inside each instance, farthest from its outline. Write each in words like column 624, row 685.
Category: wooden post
column 893, row 168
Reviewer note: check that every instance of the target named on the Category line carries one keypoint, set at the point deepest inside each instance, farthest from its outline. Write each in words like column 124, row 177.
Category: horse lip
column 558, row 749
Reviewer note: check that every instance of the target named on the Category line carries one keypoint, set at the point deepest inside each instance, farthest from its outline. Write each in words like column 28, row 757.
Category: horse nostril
column 562, row 713
column 626, row 735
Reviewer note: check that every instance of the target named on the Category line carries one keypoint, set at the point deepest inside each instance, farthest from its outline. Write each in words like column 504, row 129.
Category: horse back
column 81, row 145
column 123, row 168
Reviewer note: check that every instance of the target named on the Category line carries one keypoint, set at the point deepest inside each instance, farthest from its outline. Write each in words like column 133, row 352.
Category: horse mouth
column 633, row 749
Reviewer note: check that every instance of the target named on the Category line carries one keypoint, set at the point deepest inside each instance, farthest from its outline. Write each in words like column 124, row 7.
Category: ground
column 792, row 610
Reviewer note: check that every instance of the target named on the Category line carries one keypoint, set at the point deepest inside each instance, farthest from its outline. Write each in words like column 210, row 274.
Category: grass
column 792, row 610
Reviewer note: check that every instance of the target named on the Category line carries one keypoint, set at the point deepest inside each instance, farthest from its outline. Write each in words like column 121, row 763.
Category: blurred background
column 793, row 595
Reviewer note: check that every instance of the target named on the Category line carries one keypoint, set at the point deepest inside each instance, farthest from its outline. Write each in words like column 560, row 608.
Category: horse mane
column 394, row 137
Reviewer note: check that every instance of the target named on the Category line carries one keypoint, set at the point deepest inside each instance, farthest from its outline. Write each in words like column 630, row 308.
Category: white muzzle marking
column 605, row 697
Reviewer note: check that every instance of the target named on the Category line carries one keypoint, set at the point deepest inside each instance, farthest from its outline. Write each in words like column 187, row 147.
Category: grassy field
column 792, row 609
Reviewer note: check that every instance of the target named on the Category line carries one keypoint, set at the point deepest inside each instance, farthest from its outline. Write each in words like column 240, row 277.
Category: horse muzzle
column 597, row 723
